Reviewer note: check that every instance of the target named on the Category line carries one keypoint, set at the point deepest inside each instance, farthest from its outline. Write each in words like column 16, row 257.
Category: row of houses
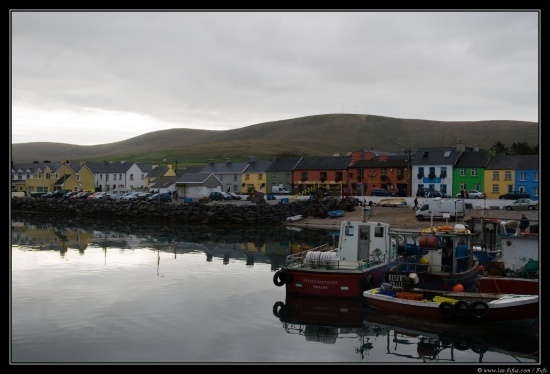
column 445, row 169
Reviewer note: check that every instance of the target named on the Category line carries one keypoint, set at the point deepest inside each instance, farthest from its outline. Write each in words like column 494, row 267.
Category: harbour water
column 104, row 292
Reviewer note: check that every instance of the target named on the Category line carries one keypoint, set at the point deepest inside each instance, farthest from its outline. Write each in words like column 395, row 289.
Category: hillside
column 314, row 135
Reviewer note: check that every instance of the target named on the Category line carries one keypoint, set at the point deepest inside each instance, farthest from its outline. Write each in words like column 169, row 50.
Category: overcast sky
column 101, row 77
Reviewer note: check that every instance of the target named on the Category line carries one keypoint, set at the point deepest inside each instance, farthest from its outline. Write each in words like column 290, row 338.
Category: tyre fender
column 461, row 308
column 281, row 277
column 446, row 310
column 479, row 309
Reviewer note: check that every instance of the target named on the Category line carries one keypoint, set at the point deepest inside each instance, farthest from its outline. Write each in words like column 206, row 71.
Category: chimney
column 227, row 160
column 383, row 157
column 210, row 161
column 460, row 146
column 368, row 155
column 475, row 148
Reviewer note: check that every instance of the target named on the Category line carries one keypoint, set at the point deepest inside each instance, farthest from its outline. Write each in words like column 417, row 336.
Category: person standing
column 461, row 255
column 523, row 223
column 415, row 207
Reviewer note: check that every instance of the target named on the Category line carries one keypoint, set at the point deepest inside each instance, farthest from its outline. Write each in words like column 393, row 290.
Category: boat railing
column 299, row 258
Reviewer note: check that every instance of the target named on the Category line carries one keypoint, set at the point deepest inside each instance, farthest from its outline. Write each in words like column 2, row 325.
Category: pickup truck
column 473, row 194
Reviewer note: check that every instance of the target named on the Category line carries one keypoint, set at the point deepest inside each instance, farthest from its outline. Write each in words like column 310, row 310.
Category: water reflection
column 264, row 244
column 329, row 320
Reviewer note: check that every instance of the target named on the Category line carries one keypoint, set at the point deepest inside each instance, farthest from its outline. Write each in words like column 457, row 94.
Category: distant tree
column 523, row 149
column 498, row 148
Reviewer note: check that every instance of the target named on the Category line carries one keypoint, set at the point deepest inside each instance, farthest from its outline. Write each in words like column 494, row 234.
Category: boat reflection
column 327, row 320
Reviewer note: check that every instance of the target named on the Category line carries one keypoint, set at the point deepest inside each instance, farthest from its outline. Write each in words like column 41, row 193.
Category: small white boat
column 297, row 217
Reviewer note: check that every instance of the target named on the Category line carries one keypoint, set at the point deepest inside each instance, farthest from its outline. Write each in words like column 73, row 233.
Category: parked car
column 130, row 196
column 379, row 192
column 514, row 195
column 523, row 204
column 234, row 196
column 162, row 197
column 428, row 192
column 472, row 194
column 143, row 195
column 219, row 196
column 69, row 194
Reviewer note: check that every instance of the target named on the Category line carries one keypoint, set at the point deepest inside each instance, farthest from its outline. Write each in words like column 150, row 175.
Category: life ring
column 479, row 309
column 446, row 309
column 461, row 308
column 281, row 277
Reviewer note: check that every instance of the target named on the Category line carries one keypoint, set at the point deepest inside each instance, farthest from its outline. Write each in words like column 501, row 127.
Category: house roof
column 435, row 156
column 257, row 167
column 224, row 167
column 324, row 163
column 513, row 162
column 283, row 164
column 473, row 159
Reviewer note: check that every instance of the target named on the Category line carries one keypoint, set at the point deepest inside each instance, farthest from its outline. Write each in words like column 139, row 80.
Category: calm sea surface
column 92, row 292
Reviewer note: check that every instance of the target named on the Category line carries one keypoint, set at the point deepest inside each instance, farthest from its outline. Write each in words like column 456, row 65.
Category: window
column 463, row 186
column 339, row 176
column 142, row 177
column 432, row 170
column 400, row 174
column 443, row 188
column 323, row 176
column 114, row 177
column 536, row 177
column 473, row 172
column 120, row 176
column 384, row 173
column 496, row 175
column 131, row 177
column 47, row 175
column 523, row 176
column 288, row 176
column 235, row 177
column 247, row 177
column 507, row 175
column 220, row 177
column 100, row 177
column 304, row 176
column 274, row 176
column 421, row 171
column 495, row 188
column 535, row 191
column 462, row 172
column 443, row 172
column 260, row 177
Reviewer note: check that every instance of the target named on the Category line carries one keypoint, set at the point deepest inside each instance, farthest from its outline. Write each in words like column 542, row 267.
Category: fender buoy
column 281, row 277
column 479, row 309
column 446, row 309
column 277, row 309
column 461, row 308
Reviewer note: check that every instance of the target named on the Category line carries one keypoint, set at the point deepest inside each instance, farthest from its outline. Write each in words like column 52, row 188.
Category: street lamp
column 409, row 172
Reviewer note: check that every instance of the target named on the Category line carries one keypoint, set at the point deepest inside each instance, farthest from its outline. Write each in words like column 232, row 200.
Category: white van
column 441, row 208
column 280, row 190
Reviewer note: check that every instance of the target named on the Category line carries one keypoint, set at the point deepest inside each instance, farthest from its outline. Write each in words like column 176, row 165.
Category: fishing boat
column 454, row 307
column 510, row 259
column 371, row 253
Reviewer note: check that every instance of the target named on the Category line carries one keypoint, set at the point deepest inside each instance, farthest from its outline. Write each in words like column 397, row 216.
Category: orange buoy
column 458, row 288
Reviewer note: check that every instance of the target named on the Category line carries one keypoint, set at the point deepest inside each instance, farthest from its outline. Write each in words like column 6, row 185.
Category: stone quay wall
column 195, row 212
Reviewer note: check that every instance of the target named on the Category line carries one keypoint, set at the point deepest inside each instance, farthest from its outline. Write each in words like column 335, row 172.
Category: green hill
column 306, row 136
